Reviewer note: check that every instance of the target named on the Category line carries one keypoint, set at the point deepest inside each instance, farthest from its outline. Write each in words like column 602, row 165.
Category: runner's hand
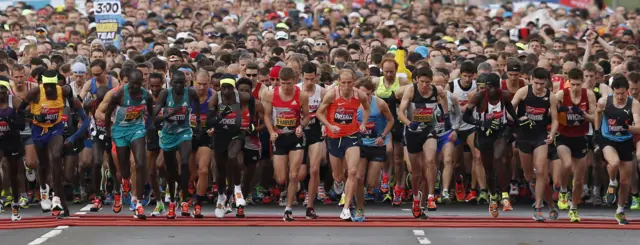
column 525, row 122
column 274, row 137
column 550, row 139
column 299, row 131
column 363, row 128
column 453, row 136
column 335, row 129
column 379, row 141
column 210, row 132
column 563, row 108
column 577, row 110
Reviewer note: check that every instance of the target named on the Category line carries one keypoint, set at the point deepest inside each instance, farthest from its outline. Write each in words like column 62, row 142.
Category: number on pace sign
column 108, row 16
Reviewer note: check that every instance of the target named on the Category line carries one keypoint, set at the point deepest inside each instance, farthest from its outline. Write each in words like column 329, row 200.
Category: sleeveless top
column 463, row 98
column 490, row 111
column 614, row 118
column 132, row 112
column 423, row 110
column 537, row 110
column 571, row 124
column 179, row 122
column 343, row 112
column 286, row 114
column 50, row 111
column 314, row 104
column 375, row 125
column 204, row 106
column 93, row 88
column 231, row 124
column 5, row 117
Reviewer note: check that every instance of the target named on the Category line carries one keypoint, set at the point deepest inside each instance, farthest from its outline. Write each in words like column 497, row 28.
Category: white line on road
column 421, row 236
column 81, row 213
column 49, row 234
column 86, row 208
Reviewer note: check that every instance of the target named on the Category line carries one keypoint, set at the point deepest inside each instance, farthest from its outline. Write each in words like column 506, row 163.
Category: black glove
column 40, row 118
column 225, row 112
column 563, row 108
column 491, row 126
column 525, row 123
column 447, row 122
column 20, row 122
column 577, row 110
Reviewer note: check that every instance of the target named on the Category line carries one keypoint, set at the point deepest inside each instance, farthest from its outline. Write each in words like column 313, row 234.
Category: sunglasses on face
column 251, row 75
column 321, row 44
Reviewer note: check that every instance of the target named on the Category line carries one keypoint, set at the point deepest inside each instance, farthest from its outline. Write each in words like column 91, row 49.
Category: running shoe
column 573, row 215
column 415, row 209
column 45, row 202
column 288, row 216
column 359, row 216
column 311, row 213
column 146, row 195
column 621, row 218
column 342, row 200
column 227, row 208
column 23, row 202
column 30, row 174
column 97, row 205
column 493, row 206
column 240, row 212
column 338, row 187
column 610, row 197
column 306, row 199
column 387, row 198
column 1, row 206
column 259, row 192
column 563, row 201
column 117, row 203
column 506, row 204
column 397, row 196
column 139, row 212
column 472, row 196
column 15, row 212
column 368, row 195
column 483, row 197
column 554, row 213
column 158, row 210
column 635, row 202
column 171, row 214
column 345, row 214
column 76, row 196
column 460, row 192
column 283, row 199
column 321, row 195
column 445, row 198
column 384, row 186
column 197, row 211
column 220, row 206
column 240, row 199
column 184, row 209
column 537, row 215
column 514, row 189
column 431, row 204
column 56, row 206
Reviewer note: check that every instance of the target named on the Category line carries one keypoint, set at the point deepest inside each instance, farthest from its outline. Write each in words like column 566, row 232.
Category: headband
column 229, row 81
column 6, row 84
column 185, row 69
column 51, row 80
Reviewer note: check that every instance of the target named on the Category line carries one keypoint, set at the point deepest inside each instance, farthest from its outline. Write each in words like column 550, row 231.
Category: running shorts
column 527, row 146
column 444, row 139
column 153, row 142
column 464, row 134
column 577, row 145
column 123, row 136
column 27, row 140
column 373, row 153
column 251, row 157
column 171, row 142
column 337, row 147
column 203, row 141
column 624, row 149
column 286, row 143
column 12, row 146
column 75, row 148
column 415, row 140
column 41, row 137
column 552, row 152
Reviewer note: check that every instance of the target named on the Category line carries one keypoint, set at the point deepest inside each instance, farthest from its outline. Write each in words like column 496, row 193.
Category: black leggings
column 171, row 164
column 98, row 150
column 140, row 156
column 227, row 164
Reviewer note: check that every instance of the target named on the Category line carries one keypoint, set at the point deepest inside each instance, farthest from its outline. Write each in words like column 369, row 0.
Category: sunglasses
column 251, row 75
column 321, row 44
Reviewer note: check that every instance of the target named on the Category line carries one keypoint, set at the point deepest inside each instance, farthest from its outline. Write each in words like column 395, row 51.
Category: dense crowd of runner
column 240, row 103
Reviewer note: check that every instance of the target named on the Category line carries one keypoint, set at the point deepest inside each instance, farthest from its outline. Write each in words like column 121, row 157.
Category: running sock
column 574, row 205
column 237, row 188
column 620, row 209
column 613, row 182
column 483, row 190
column 430, row 196
column 288, row 209
column 563, row 189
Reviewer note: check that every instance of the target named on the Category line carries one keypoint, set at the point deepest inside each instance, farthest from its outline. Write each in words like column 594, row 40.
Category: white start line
column 85, row 209
column 421, row 236
column 48, row 235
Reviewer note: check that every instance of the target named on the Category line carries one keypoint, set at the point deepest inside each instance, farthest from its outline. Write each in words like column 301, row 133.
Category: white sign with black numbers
column 107, row 7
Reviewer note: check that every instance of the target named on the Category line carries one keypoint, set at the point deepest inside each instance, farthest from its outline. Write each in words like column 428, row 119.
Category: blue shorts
column 171, row 142
column 41, row 138
column 88, row 143
column 444, row 139
column 123, row 136
column 337, row 147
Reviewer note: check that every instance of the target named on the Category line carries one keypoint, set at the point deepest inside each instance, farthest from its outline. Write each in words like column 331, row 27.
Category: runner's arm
column 384, row 109
column 519, row 96
column 102, row 107
column 456, row 112
column 365, row 106
column 471, row 106
column 511, row 110
column 602, row 103
column 635, row 109
column 322, row 110
column 304, row 106
column 554, row 115
column 85, row 89
column 404, row 104
column 260, row 114
column 590, row 115
column 110, row 106
column 20, row 121
column 193, row 94
column 150, row 108
column 83, row 116
column 160, row 103
column 268, row 110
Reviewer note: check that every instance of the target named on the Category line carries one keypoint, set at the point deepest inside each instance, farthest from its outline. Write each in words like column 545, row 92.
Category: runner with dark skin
column 11, row 123
column 155, row 163
column 177, row 134
column 131, row 100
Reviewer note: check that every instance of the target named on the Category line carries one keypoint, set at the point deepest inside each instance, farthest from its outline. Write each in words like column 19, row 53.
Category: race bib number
column 133, row 113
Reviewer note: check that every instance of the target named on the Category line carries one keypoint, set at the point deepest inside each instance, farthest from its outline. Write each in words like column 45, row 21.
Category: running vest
column 505, row 88
column 385, row 92
column 251, row 142
column 488, row 111
column 47, row 113
column 423, row 110
column 131, row 113
column 204, row 106
column 5, row 115
column 462, row 95
column 314, row 104
column 571, row 124
column 93, row 88
column 375, row 125
column 343, row 112
column 256, row 91
column 179, row 122
column 537, row 110
column 232, row 122
column 614, row 118
column 286, row 114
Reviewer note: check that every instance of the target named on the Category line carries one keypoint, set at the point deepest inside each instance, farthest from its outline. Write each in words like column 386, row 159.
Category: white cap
column 470, row 29
column 282, row 35
column 309, row 40
column 354, row 15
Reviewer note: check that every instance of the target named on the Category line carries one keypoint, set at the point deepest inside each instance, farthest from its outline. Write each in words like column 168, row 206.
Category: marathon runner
column 130, row 104
column 202, row 142
column 20, row 86
column 11, row 122
column 338, row 112
column 155, row 162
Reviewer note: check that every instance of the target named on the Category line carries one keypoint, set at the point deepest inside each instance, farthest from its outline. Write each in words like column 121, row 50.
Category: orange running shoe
column 97, row 205
column 126, row 185
column 493, row 209
column 460, row 192
column 240, row 212
column 117, row 203
column 416, row 210
column 384, row 187
column 197, row 211
column 431, row 204
column 171, row 214
column 139, row 212
column 506, row 205
column 184, row 209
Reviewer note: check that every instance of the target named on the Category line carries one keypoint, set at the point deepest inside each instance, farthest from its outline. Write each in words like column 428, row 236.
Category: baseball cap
column 514, row 65
column 282, row 35
column 423, row 51
column 275, row 72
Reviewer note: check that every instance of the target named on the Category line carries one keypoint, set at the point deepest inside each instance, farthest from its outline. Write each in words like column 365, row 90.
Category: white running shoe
column 56, row 204
column 45, row 201
column 306, row 200
column 15, row 212
column 220, row 206
column 283, row 199
column 30, row 174
column 346, row 214
column 514, row 190
column 338, row 187
column 240, row 199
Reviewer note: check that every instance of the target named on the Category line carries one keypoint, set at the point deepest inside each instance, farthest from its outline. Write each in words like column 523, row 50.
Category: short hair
column 424, row 71
column 287, row 73
column 309, row 67
column 575, row 74
column 99, row 63
column 246, row 81
column 541, row 73
column 366, row 83
column 468, row 67
column 619, row 81
column 485, row 66
column 155, row 75
column 633, row 77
